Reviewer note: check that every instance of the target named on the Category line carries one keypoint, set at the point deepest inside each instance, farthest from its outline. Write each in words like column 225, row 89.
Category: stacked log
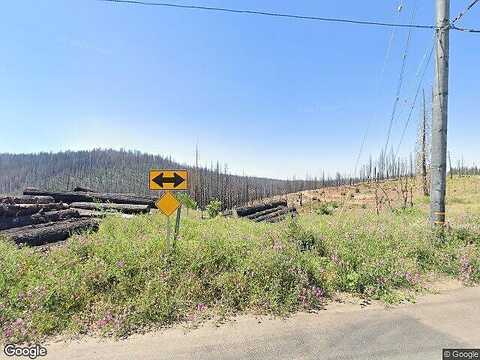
column 35, row 235
column 41, row 217
column 28, row 209
column 276, row 215
column 249, row 210
column 100, row 214
column 124, row 208
column 275, row 211
column 8, row 222
column 26, row 199
column 83, row 189
column 81, row 196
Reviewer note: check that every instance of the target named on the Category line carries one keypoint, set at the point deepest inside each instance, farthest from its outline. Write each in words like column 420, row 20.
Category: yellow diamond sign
column 168, row 203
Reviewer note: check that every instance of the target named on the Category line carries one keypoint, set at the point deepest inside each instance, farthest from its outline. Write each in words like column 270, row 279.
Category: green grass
column 125, row 278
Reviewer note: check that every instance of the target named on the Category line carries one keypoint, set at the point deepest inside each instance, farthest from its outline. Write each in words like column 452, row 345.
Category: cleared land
column 125, row 278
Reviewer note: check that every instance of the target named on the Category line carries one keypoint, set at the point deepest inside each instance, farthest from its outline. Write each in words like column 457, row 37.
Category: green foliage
column 213, row 208
column 124, row 278
column 413, row 211
column 379, row 256
column 327, row 208
column 187, row 200
column 304, row 239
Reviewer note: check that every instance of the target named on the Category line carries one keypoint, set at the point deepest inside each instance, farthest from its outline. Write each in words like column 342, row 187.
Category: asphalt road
column 450, row 319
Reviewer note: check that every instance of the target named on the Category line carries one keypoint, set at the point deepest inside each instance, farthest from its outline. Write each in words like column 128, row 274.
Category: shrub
column 187, row 200
column 324, row 209
column 304, row 239
column 327, row 208
column 213, row 208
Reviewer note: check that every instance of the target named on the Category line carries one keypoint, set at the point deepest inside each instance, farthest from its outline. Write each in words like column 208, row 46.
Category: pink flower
column 335, row 259
column 8, row 332
column 201, row 307
column 413, row 279
column 318, row 293
column 466, row 268
column 105, row 320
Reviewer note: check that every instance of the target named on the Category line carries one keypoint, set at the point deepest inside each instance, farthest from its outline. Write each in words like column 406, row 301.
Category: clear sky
column 268, row 96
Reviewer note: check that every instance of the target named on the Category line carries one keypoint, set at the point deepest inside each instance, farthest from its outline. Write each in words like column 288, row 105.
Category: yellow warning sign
column 168, row 203
column 168, row 180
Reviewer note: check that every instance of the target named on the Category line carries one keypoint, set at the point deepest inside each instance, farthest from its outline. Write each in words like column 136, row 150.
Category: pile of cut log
column 271, row 212
column 40, row 217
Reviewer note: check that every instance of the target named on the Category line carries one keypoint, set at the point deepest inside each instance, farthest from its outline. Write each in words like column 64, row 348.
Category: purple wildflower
column 8, row 332
column 318, row 292
column 413, row 279
column 335, row 259
column 105, row 320
column 466, row 268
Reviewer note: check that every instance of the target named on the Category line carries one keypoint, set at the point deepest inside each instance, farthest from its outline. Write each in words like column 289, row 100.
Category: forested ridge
column 127, row 172
column 124, row 171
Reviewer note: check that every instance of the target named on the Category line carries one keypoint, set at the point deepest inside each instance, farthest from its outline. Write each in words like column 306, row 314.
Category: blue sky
column 268, row 96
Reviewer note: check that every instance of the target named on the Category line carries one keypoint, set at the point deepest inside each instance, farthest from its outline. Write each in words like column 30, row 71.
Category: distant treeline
column 465, row 171
column 127, row 172
column 461, row 169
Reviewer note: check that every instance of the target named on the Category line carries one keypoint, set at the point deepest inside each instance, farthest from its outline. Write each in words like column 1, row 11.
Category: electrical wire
column 379, row 84
column 464, row 12
column 290, row 16
column 400, row 81
column 274, row 14
column 477, row 31
column 415, row 99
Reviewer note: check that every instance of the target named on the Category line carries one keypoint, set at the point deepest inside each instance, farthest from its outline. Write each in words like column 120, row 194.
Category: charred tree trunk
column 271, row 216
column 34, row 235
column 78, row 196
column 248, row 210
column 83, row 189
column 28, row 209
column 26, row 199
column 124, row 208
column 40, row 218
column 264, row 212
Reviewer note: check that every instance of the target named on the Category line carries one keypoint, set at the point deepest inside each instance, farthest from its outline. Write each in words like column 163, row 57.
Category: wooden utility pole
column 440, row 109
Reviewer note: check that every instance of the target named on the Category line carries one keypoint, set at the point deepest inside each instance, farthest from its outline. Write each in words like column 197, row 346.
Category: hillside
column 127, row 171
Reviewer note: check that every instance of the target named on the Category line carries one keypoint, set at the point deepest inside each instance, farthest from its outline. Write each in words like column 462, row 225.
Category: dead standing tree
column 422, row 150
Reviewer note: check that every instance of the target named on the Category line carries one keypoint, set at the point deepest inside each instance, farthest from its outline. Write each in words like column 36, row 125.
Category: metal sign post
column 169, row 180
column 177, row 226
column 167, row 240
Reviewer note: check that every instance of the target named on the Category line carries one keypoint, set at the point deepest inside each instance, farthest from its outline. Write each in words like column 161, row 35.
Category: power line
column 379, row 84
column 415, row 99
column 400, row 81
column 274, row 14
column 462, row 13
column 453, row 27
